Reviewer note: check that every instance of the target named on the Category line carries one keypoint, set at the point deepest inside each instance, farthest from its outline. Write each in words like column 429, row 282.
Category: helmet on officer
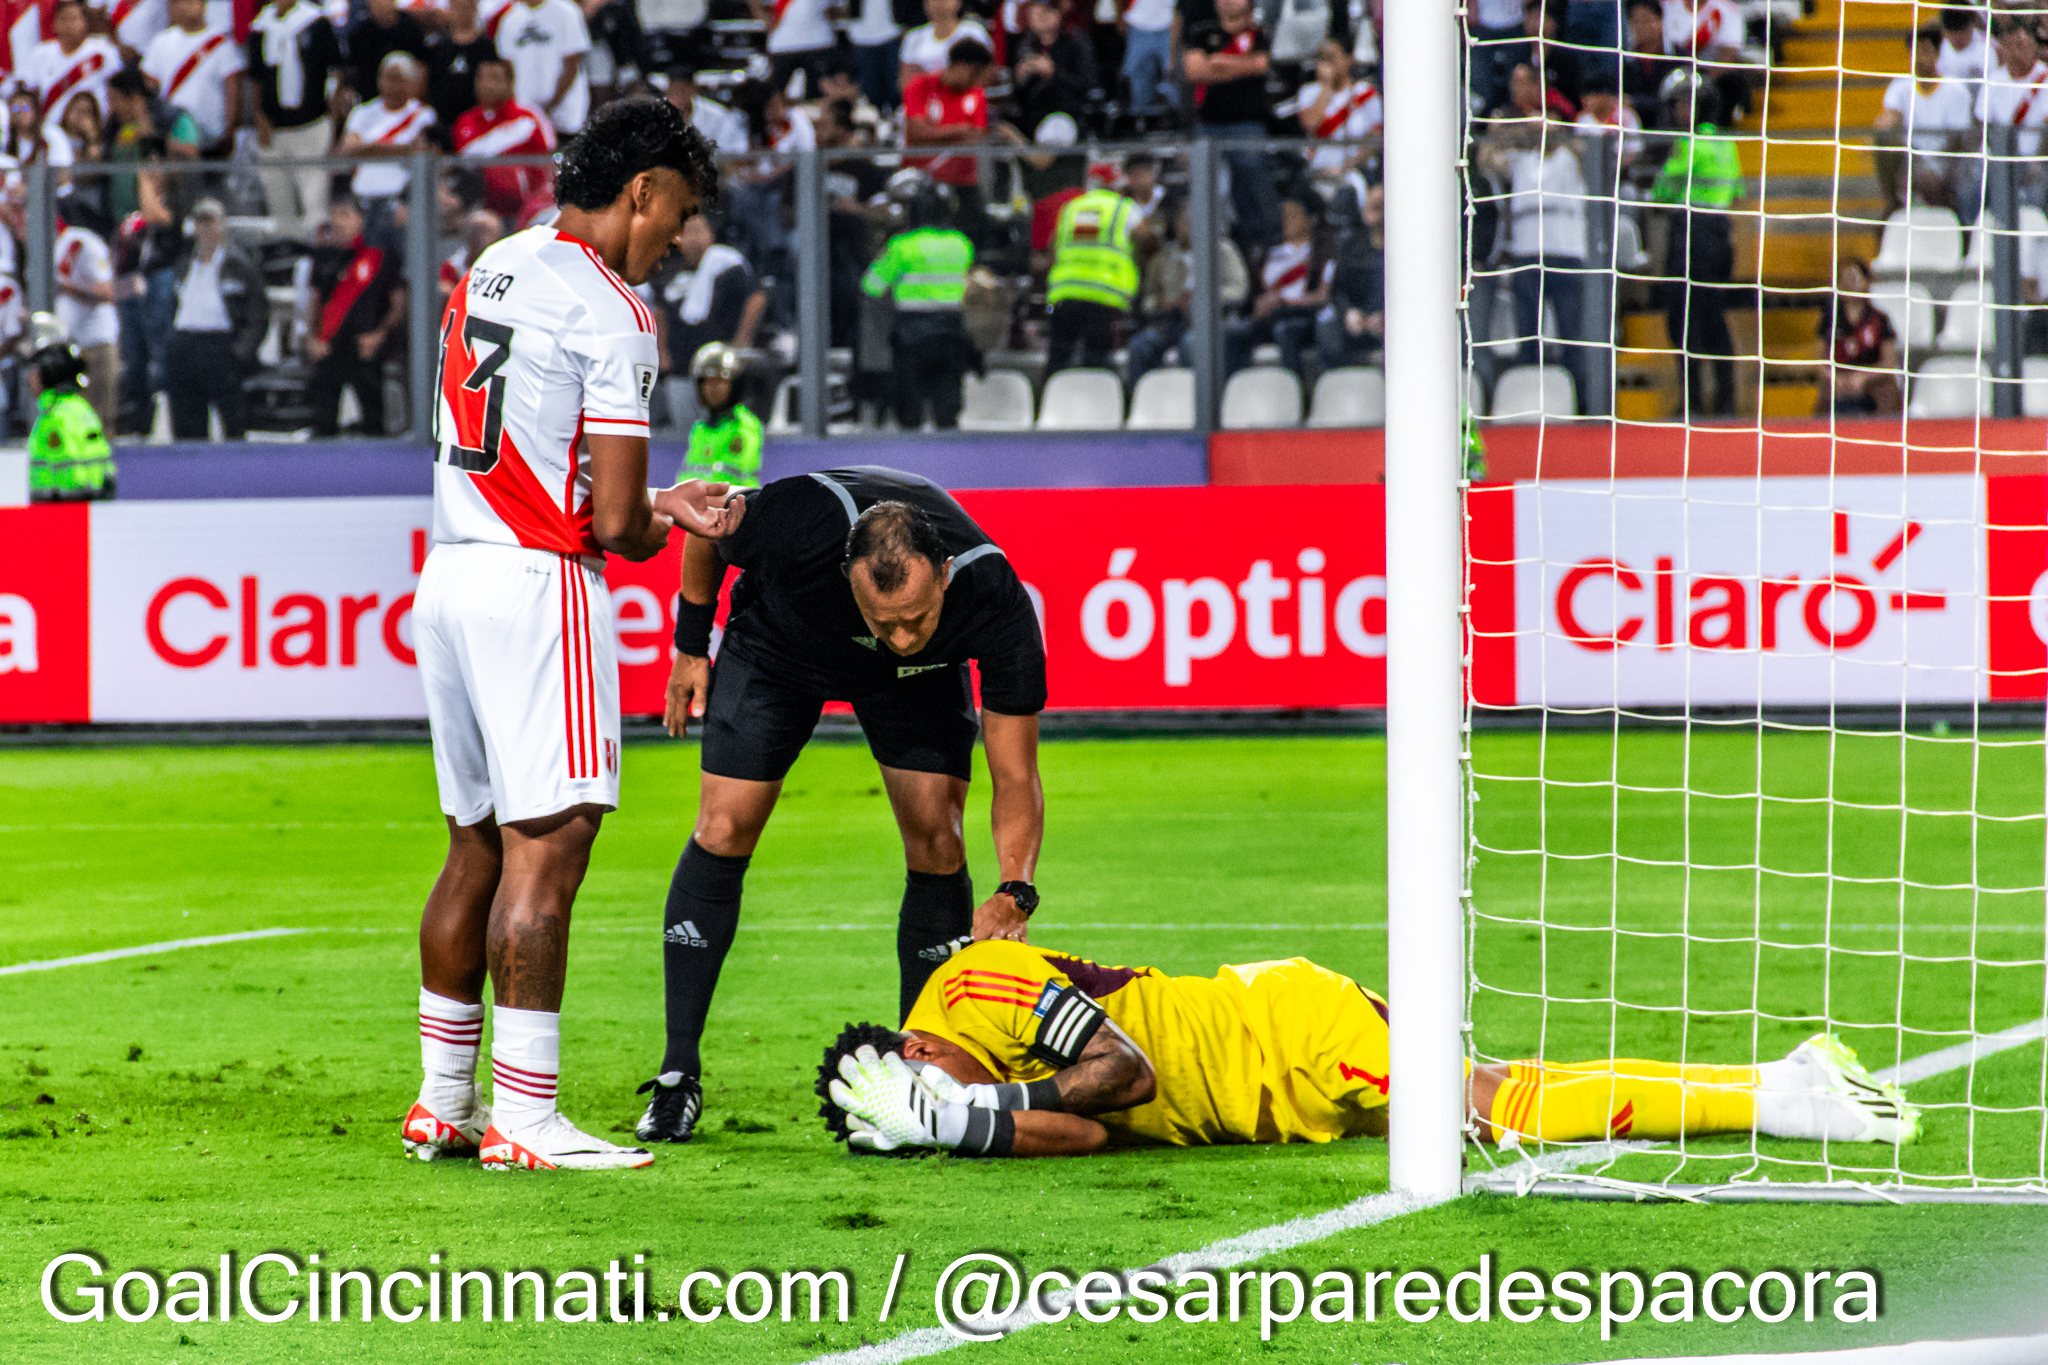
column 925, row 202
column 57, row 361
column 716, row 369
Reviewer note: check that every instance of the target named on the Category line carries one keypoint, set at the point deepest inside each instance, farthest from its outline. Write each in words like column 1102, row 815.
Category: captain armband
column 693, row 627
column 1067, row 1019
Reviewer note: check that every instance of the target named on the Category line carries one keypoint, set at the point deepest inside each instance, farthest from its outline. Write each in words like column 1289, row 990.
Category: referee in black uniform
column 870, row 586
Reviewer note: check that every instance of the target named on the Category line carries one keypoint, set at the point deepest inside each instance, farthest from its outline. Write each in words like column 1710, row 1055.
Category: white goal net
column 1756, row 598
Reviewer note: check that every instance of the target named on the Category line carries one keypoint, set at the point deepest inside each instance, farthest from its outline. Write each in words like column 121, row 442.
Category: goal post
column 1715, row 713
column 1423, row 81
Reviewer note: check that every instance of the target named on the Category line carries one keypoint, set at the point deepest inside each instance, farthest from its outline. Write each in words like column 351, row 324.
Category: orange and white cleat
column 557, row 1144
column 428, row 1137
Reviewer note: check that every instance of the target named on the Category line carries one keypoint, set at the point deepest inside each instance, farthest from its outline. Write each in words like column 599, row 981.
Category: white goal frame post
column 1428, row 717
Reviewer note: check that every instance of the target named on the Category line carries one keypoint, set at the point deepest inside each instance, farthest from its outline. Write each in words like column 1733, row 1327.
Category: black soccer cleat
column 672, row 1114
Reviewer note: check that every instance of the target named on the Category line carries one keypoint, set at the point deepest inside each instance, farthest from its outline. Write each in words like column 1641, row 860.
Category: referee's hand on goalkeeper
column 710, row 510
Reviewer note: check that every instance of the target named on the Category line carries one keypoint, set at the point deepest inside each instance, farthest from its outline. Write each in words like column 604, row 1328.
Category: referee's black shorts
column 755, row 724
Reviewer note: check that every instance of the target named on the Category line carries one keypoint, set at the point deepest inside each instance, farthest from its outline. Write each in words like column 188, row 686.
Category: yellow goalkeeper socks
column 1622, row 1097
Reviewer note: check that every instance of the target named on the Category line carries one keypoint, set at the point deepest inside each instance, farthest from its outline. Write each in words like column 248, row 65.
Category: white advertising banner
column 256, row 610
column 1740, row 591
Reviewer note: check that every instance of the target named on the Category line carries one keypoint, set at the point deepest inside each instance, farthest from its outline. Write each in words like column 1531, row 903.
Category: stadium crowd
column 172, row 270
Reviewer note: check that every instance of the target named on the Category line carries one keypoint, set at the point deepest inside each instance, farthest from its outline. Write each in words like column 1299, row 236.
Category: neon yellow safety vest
column 926, row 268
column 1092, row 259
column 68, row 454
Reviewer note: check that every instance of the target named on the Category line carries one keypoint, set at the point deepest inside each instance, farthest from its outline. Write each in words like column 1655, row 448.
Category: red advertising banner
column 1792, row 591
column 45, row 586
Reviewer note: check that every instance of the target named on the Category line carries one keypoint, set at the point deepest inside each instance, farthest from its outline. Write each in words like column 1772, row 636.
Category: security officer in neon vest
column 1700, row 180
column 925, row 269
column 68, row 456
column 725, row 442
column 1094, row 277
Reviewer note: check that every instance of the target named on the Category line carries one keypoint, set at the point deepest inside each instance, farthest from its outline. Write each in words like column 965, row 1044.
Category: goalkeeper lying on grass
column 1015, row 1050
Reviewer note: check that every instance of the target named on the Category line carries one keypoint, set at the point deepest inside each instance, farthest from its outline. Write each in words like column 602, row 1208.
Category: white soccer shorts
column 519, row 662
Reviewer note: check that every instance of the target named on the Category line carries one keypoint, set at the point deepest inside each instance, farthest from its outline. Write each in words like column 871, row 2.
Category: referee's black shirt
column 793, row 611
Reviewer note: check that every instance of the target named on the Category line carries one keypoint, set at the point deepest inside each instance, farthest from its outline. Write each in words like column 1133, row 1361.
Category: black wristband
column 693, row 627
column 990, row 1132
column 1043, row 1094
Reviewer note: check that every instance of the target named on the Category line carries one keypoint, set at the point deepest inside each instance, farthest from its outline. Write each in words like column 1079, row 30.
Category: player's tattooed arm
column 1111, row 1074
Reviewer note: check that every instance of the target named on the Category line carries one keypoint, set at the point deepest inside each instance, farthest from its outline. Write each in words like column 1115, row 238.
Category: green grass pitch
column 246, row 1096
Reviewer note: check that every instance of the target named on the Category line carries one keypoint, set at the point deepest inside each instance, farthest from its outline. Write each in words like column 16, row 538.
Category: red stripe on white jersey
column 646, row 319
column 192, row 63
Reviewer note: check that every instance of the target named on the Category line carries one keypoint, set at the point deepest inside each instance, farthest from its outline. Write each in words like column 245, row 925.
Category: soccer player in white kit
column 547, row 362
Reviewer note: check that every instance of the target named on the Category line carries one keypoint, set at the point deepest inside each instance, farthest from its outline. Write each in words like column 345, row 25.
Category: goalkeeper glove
column 888, row 1109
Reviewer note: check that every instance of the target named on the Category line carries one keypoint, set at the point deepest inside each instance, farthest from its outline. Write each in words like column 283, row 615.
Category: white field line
column 1961, row 1055
column 1986, row 1351
column 1379, row 1208
column 145, row 949
column 1222, row 1255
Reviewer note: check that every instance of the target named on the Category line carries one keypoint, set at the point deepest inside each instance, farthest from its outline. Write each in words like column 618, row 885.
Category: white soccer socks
column 526, row 1051
column 450, row 1033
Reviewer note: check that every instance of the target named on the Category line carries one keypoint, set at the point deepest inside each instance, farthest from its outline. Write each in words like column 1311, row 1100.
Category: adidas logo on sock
column 685, row 934
column 939, row 952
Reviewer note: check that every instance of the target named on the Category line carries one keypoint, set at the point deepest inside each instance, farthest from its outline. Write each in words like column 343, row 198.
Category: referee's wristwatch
column 1024, row 893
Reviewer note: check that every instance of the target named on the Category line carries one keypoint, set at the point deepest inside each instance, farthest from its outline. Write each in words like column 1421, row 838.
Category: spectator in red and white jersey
column 198, row 68
column 2015, row 91
column 546, row 42
column 929, row 47
column 1709, row 33
column 86, row 295
column 1294, row 284
column 800, row 37
column 498, row 126
column 71, row 63
column 1334, row 106
column 381, row 131
column 23, row 141
column 357, row 315
column 1602, row 110
column 1925, row 116
column 132, row 24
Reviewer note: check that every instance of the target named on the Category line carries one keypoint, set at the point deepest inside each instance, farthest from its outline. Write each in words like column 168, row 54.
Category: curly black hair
column 888, row 536
column 625, row 138
column 851, row 1037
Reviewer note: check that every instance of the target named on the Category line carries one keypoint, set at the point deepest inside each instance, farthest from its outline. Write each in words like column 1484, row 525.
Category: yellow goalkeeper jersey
column 1261, row 1052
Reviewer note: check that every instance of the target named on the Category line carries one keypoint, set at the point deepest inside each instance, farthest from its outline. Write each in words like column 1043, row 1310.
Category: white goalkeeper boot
column 1822, row 1092
column 554, row 1144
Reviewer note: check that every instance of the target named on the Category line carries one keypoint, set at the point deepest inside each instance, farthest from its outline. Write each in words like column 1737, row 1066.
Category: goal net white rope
column 1756, row 599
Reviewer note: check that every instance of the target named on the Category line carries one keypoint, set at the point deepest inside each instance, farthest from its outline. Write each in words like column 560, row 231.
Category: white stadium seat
column 1082, row 400
column 1260, row 398
column 1164, row 400
column 997, row 401
column 1919, row 240
column 1911, row 309
column 1966, row 324
column 2034, row 386
column 1950, row 386
column 1532, row 393
column 1354, row 396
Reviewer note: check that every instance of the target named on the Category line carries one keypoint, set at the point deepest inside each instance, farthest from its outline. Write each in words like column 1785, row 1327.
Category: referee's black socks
column 938, row 910
column 698, row 925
